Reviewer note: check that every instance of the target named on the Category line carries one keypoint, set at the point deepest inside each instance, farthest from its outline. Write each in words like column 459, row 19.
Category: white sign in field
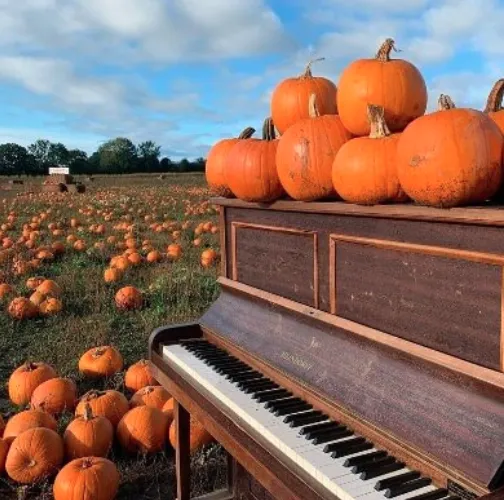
column 59, row 170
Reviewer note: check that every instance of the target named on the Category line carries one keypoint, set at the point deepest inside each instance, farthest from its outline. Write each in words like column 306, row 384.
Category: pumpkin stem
column 312, row 106
column 308, row 72
column 376, row 117
column 494, row 102
column 445, row 102
column 247, row 133
column 268, row 130
column 99, row 351
column 29, row 366
column 87, row 462
column 88, row 413
column 385, row 49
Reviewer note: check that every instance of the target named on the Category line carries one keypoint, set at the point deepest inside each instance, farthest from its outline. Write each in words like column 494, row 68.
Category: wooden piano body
column 390, row 319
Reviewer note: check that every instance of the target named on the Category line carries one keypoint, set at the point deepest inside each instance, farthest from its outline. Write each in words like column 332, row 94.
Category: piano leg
column 182, row 452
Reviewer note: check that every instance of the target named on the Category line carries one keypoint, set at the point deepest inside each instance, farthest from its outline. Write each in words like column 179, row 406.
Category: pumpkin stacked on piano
column 32, row 449
column 368, row 141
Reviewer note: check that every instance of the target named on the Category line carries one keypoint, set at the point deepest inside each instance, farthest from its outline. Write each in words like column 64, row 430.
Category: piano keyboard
column 347, row 464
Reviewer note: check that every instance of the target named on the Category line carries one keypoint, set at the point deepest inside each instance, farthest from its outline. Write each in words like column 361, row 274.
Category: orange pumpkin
column 251, row 171
column 199, row 436
column 139, row 375
column 143, row 429
column 26, row 378
column 34, row 455
column 112, row 274
column 395, row 84
column 290, row 98
column 89, row 478
column 88, row 436
column 152, row 395
column 34, row 282
column 37, row 298
column 5, row 290
column 494, row 104
column 216, row 163
column 50, row 288
column 154, row 256
column 55, row 396
column 364, row 170
column 51, row 306
column 208, row 257
column 103, row 361
column 306, row 153
column 174, row 251
column 21, row 308
column 451, row 157
column 128, row 298
column 28, row 419
column 110, row 404
column 168, row 408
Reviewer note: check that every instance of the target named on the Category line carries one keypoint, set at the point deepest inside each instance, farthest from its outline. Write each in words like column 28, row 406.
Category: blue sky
column 186, row 73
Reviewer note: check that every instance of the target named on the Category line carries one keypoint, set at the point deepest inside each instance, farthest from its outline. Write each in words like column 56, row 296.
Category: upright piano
column 353, row 353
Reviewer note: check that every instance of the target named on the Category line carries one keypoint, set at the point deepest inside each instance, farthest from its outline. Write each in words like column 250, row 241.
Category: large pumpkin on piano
column 216, row 163
column 451, row 157
column 306, row 152
column 251, row 171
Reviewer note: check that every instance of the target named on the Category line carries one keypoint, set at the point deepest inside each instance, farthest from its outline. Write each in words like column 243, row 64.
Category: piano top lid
column 487, row 215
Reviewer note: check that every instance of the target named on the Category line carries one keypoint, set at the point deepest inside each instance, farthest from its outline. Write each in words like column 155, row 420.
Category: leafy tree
column 118, row 155
column 15, row 160
column 57, row 154
column 78, row 161
column 40, row 150
column 166, row 165
column 148, row 156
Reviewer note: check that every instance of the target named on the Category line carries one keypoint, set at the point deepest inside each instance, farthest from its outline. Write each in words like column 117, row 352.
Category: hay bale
column 53, row 188
column 60, row 179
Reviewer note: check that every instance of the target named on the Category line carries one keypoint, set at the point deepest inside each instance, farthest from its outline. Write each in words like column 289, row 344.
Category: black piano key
column 307, row 420
column 297, row 420
column 310, row 429
column 408, row 487
column 351, row 450
column 328, row 448
column 241, row 375
column 224, row 370
column 288, row 410
column 284, row 402
column 326, row 437
column 383, row 484
column 371, row 474
column 218, row 363
column 274, row 395
column 245, row 383
column 433, row 495
column 260, row 387
column 367, row 466
column 362, row 459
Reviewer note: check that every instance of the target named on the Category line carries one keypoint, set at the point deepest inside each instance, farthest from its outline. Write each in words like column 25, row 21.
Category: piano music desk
column 389, row 319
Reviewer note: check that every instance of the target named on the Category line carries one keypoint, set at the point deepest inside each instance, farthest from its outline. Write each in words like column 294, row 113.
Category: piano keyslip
column 346, row 464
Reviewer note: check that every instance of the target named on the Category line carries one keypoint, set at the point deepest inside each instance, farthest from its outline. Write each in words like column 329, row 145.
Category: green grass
column 173, row 292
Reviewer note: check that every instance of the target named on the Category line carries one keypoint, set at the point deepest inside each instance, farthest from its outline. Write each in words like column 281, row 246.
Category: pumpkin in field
column 451, row 157
column 112, row 274
column 168, row 409
column 34, row 455
column 110, row 404
column 6, row 290
column 174, row 251
column 494, row 104
column 88, row 436
column 289, row 101
column 51, row 306
column 139, row 375
column 251, row 171
column 364, row 170
column 55, row 396
column 21, row 308
column 216, row 163
column 153, row 257
column 37, row 298
column 143, row 429
column 103, row 361
column 4, row 449
column 88, row 478
column 34, row 282
column 128, row 298
column 208, row 257
column 152, row 395
column 50, row 288
column 120, row 262
column 26, row 378
column 395, row 84
column 199, row 436
column 28, row 419
column 306, row 153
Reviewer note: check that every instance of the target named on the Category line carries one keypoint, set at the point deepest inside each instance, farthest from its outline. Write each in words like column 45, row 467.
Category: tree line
column 116, row 156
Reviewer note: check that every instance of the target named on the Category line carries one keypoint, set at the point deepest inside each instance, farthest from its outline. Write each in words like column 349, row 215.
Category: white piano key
column 328, row 471
column 380, row 495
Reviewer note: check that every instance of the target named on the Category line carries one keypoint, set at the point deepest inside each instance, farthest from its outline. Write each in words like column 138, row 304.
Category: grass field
column 162, row 211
